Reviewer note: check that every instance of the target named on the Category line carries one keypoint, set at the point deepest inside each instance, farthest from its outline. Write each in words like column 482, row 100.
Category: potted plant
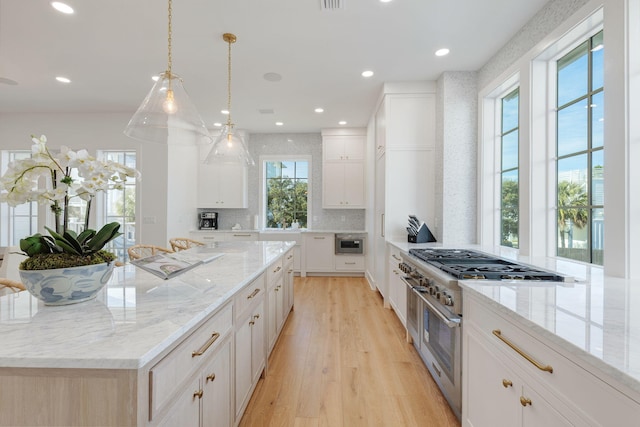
column 64, row 267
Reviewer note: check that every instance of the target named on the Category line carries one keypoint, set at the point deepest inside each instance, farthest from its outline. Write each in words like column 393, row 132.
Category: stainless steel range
column 434, row 305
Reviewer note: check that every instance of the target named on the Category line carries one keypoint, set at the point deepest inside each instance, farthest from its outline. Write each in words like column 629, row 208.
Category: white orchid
column 22, row 182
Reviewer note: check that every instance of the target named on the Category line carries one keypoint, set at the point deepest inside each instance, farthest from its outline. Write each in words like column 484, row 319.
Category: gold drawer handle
column 277, row 269
column 546, row 368
column 254, row 293
column 524, row 401
column 396, row 258
column 242, row 235
column 210, row 377
column 257, row 316
column 506, row 383
column 198, row 394
column 206, row 345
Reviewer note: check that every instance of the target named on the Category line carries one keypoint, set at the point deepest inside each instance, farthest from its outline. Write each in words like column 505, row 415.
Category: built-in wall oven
column 434, row 305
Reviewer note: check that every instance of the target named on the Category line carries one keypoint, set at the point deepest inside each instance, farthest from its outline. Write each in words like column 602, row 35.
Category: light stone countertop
column 595, row 319
column 134, row 318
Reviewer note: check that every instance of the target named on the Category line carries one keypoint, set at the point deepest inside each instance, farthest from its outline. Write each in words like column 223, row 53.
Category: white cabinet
column 340, row 144
column 343, row 171
column 195, row 374
column 397, row 289
column 289, row 266
column 241, row 236
column 222, row 185
column 276, row 293
column 351, row 263
column 288, row 236
column 343, row 185
column 250, row 350
column 511, row 376
column 319, row 252
column 405, row 170
column 223, row 236
column 205, row 400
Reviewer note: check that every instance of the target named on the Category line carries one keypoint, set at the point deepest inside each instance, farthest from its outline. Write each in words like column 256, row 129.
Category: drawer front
column 167, row 375
column 209, row 237
column 274, row 271
column 349, row 262
column 288, row 260
column 240, row 236
column 394, row 255
column 589, row 395
column 249, row 296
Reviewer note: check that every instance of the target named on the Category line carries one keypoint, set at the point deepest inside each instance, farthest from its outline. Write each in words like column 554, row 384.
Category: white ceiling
column 111, row 48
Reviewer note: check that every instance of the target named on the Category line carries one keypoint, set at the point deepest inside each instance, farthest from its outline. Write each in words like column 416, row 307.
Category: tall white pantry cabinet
column 405, row 127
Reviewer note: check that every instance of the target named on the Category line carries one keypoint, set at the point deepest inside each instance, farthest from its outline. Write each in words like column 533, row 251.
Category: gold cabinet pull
column 206, row 345
column 546, row 368
column 210, row 377
column 254, row 293
column 524, row 401
column 257, row 316
column 197, row 394
column 506, row 383
column 396, row 258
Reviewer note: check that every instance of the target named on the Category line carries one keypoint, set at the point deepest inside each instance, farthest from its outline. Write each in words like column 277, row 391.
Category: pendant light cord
column 169, row 42
column 229, row 40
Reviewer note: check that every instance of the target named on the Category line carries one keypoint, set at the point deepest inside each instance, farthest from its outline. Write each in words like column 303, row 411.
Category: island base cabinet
column 68, row 397
column 205, row 401
column 250, row 356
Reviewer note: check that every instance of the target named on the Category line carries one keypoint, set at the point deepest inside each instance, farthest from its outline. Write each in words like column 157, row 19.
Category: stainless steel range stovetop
column 467, row 264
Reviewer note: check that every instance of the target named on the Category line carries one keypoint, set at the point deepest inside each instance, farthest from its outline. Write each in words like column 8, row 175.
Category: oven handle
column 451, row 322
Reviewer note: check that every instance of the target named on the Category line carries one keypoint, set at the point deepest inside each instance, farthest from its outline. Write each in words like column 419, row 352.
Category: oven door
column 441, row 336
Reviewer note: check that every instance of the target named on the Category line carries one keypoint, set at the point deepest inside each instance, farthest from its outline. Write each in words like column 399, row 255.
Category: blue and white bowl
column 61, row 286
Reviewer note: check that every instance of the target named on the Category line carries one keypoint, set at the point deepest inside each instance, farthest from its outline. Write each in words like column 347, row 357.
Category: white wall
column 95, row 132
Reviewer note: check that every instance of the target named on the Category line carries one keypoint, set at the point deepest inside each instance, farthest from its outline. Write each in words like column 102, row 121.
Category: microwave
column 349, row 244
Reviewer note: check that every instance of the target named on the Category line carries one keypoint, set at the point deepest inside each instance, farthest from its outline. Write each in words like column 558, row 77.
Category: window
column 286, row 192
column 580, row 152
column 509, row 205
column 120, row 206
column 22, row 220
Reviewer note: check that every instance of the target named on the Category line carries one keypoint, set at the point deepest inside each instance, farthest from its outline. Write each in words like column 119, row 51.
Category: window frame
column 262, row 215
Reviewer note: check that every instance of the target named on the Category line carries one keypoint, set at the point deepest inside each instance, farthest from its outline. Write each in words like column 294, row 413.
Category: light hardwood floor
column 342, row 360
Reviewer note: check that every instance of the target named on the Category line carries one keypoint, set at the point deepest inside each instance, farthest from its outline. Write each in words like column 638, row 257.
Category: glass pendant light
column 229, row 146
column 167, row 112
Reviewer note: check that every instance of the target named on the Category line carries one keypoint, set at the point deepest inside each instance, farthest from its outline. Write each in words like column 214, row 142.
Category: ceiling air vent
column 331, row 4
column 266, row 111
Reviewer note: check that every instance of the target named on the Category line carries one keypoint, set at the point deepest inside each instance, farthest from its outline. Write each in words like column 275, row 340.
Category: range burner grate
column 467, row 264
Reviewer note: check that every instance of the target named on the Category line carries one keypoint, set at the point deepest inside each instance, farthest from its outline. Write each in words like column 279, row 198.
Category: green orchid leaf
column 104, row 236
column 86, row 235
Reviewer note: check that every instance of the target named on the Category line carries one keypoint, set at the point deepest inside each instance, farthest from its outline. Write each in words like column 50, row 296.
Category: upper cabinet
column 343, row 179
column 221, row 185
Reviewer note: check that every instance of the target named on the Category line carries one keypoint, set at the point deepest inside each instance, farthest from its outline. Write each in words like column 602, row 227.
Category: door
column 379, row 231
column 216, row 396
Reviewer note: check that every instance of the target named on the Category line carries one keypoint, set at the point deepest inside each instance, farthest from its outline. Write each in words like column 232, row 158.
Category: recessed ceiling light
column 63, row 79
column 217, row 125
column 279, row 124
column 367, row 73
column 272, row 77
column 155, row 78
column 442, row 52
column 225, row 112
column 385, row 1
column 62, row 7
column 342, row 122
column 319, row 110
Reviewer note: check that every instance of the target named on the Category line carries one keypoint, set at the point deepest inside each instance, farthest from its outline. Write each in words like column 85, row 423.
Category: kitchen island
column 124, row 358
